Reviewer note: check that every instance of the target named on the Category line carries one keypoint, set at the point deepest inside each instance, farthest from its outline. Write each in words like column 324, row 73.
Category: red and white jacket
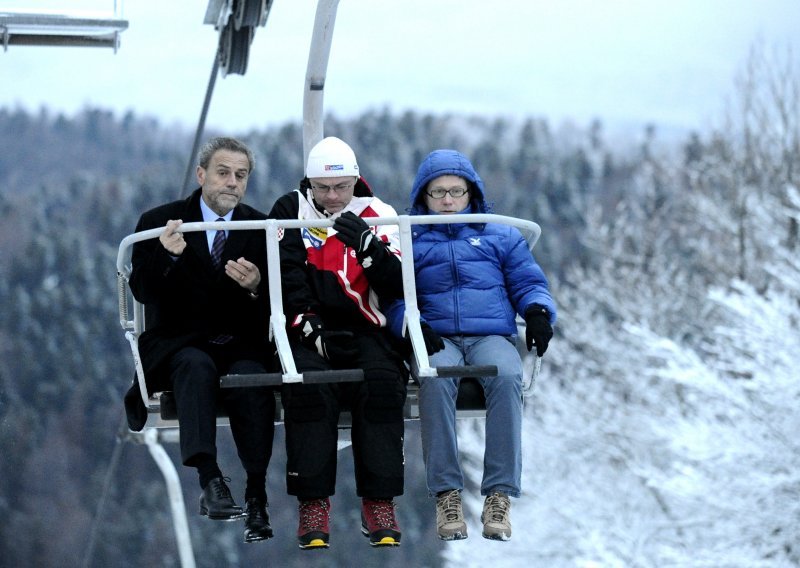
column 321, row 275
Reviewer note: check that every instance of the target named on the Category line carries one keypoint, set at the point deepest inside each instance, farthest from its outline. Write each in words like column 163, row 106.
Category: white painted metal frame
column 277, row 325
column 51, row 29
column 157, row 429
column 314, row 91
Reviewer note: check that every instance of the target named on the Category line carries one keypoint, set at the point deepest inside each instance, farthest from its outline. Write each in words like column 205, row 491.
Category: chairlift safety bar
column 277, row 326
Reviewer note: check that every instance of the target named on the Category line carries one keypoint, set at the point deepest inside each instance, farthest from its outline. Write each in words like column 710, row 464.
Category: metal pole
column 179, row 521
column 314, row 91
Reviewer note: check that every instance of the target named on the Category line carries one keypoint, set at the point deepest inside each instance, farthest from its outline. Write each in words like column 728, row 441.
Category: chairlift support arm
column 314, row 91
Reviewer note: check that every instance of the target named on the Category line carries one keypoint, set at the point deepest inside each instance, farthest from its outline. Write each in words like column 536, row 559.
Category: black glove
column 329, row 344
column 353, row 231
column 538, row 330
column 433, row 341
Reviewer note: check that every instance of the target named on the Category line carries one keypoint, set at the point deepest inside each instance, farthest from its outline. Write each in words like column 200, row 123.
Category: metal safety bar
column 277, row 325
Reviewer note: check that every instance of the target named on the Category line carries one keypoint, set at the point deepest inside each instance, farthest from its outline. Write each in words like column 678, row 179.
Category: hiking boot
column 496, row 516
column 450, row 523
column 378, row 522
column 313, row 531
column 256, row 521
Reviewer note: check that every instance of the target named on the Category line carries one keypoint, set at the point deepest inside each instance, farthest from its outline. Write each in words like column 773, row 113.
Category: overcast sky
column 623, row 61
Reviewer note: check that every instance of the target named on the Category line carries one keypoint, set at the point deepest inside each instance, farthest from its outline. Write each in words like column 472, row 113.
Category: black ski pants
column 376, row 405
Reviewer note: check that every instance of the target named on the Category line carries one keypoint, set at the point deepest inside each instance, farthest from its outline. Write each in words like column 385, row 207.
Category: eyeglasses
column 338, row 188
column 455, row 192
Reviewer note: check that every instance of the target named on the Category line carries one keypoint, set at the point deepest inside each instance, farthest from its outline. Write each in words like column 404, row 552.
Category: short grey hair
column 224, row 143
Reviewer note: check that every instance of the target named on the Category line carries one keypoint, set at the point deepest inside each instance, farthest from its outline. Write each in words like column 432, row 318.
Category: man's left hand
column 244, row 272
column 538, row 330
column 433, row 341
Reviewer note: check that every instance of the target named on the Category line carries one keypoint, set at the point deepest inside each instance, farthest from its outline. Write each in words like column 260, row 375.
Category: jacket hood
column 441, row 163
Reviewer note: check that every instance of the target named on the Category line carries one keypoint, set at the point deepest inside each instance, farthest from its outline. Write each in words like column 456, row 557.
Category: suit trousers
column 194, row 373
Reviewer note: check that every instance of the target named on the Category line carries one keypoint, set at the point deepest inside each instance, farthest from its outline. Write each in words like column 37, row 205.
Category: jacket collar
column 449, row 228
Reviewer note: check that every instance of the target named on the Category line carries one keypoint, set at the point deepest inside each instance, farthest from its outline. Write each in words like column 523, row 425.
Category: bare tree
column 756, row 153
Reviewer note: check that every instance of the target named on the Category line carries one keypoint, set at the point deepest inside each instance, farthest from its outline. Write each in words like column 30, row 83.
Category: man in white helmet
column 334, row 283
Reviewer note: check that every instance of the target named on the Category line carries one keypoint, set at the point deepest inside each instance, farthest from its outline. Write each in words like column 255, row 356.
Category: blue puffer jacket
column 471, row 279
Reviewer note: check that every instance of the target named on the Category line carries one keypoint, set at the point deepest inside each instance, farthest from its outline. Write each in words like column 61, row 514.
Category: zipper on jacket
column 456, row 296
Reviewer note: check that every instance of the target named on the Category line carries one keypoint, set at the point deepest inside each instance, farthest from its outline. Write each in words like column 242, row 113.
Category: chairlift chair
column 162, row 424
column 232, row 17
column 64, row 30
column 160, row 406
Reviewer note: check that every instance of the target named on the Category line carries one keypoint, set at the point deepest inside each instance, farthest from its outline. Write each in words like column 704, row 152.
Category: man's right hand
column 171, row 239
column 331, row 345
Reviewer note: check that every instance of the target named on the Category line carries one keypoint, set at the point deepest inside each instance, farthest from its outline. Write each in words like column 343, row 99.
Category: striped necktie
column 217, row 246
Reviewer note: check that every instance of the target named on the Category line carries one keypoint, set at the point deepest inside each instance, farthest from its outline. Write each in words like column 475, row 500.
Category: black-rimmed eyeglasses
column 338, row 188
column 440, row 192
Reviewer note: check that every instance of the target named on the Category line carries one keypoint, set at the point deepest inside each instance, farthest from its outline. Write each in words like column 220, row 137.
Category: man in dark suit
column 207, row 316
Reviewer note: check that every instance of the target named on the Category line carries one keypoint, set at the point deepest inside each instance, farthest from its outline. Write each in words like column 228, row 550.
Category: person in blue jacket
column 472, row 281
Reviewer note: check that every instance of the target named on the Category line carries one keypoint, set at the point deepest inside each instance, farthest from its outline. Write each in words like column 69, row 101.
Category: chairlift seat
column 471, row 403
column 471, row 400
column 470, row 396
column 161, row 413
column 46, row 29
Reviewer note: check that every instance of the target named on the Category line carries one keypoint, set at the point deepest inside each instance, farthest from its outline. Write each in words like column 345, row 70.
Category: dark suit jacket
column 188, row 301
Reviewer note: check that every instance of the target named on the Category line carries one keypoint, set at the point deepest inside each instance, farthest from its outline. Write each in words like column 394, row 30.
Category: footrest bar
column 251, row 380
column 333, row 376
column 467, row 371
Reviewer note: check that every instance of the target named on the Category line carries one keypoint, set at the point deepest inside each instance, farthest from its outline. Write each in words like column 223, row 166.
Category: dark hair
column 224, row 143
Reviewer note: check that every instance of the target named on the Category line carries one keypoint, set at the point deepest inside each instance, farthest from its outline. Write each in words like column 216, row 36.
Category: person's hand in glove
column 353, row 232
column 433, row 341
column 538, row 330
column 332, row 345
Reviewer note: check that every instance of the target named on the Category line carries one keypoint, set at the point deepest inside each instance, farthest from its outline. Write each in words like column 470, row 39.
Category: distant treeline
column 629, row 238
column 73, row 187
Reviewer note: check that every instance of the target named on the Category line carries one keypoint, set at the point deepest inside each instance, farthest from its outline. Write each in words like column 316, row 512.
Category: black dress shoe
column 256, row 522
column 217, row 503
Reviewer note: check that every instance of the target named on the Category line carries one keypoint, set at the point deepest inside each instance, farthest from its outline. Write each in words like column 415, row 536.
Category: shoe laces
column 253, row 507
column 314, row 515
column 380, row 514
column 221, row 490
column 449, row 506
column 496, row 507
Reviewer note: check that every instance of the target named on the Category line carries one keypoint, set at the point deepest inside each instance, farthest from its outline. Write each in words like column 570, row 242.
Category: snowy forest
column 662, row 431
